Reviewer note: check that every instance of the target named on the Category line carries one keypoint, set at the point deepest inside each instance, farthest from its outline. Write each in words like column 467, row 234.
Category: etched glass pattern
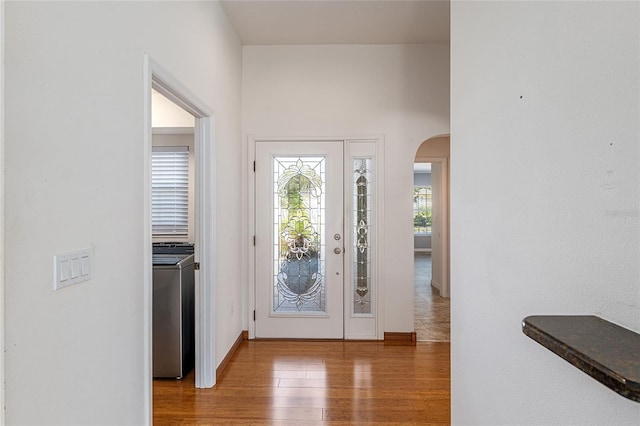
column 298, row 230
column 362, row 236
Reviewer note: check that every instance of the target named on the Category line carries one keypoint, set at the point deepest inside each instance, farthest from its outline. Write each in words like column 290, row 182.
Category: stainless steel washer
column 173, row 314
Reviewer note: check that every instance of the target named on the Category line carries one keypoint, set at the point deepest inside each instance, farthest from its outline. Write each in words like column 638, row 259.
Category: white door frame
column 444, row 190
column 2, row 309
column 379, row 229
column 156, row 77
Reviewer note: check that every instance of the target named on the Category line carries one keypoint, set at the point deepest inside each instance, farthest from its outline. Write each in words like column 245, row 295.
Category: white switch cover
column 65, row 270
column 70, row 268
column 86, row 265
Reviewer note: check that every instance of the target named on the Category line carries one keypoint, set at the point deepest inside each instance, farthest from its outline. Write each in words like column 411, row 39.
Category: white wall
column 544, row 111
column 421, row 179
column 74, row 150
column 318, row 91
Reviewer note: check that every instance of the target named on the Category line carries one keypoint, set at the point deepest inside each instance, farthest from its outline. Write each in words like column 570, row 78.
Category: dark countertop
column 605, row 351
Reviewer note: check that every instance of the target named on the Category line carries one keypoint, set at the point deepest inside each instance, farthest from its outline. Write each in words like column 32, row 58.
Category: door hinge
column 254, row 240
column 254, row 166
column 254, row 315
column 196, row 266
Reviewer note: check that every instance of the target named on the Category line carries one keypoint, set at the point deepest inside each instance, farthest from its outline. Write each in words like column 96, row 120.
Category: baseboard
column 244, row 335
column 293, row 339
column 406, row 337
column 400, row 338
column 436, row 285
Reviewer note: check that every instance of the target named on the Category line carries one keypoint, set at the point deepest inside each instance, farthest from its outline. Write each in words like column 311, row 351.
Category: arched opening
column 431, row 240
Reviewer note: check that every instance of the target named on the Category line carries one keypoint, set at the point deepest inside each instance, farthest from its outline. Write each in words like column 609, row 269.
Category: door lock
column 336, row 237
column 337, row 250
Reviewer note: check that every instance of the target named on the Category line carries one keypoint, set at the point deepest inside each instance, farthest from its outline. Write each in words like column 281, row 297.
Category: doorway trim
column 156, row 77
column 378, row 267
column 2, row 220
column 444, row 190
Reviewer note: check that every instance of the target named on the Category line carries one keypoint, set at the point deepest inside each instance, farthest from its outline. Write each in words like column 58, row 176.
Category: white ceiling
column 263, row 22
column 422, row 167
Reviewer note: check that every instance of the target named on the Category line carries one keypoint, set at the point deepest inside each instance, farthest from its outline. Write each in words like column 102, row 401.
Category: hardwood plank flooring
column 316, row 383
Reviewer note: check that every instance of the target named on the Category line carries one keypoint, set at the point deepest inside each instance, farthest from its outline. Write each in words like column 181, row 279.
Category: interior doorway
column 173, row 170
column 431, row 240
column 159, row 80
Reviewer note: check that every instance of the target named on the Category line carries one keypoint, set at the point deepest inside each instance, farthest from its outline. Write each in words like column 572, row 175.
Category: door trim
column 155, row 76
column 2, row 220
column 250, row 231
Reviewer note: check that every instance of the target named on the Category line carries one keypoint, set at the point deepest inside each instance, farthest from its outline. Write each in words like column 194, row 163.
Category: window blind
column 170, row 191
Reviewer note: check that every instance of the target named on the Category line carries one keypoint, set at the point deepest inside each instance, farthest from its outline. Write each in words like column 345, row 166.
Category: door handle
column 337, row 250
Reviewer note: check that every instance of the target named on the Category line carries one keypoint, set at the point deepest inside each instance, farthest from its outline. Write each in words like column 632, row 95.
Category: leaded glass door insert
column 299, row 261
column 361, row 227
column 299, row 252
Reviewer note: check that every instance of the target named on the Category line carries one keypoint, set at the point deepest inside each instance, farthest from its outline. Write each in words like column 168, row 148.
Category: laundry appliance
column 173, row 310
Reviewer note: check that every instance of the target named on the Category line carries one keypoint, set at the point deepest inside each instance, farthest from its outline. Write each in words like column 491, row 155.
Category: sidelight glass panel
column 298, row 235
column 361, row 231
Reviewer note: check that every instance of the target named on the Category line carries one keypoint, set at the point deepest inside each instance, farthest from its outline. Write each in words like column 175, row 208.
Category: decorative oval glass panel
column 299, row 284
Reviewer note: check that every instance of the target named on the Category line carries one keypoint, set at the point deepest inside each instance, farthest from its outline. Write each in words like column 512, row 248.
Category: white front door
column 299, row 240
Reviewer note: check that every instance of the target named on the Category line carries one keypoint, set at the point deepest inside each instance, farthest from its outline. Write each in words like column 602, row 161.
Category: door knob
column 337, row 250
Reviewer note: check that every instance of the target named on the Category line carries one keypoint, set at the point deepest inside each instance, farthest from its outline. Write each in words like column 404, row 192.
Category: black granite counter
column 605, row 351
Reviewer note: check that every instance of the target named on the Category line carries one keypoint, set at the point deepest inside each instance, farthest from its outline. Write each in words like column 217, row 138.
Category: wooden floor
column 431, row 311
column 308, row 383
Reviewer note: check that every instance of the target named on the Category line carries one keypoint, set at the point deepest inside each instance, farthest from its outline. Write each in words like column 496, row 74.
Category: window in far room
column 170, row 191
column 422, row 209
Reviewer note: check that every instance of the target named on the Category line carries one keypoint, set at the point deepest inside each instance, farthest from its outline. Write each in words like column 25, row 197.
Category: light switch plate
column 71, row 268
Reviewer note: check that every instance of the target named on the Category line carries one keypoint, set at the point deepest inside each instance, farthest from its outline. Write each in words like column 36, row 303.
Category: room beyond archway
column 431, row 240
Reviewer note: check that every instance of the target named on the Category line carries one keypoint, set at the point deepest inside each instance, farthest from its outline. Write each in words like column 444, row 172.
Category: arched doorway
column 431, row 240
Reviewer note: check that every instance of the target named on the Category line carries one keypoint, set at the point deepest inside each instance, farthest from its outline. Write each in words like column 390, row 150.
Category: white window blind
column 170, row 191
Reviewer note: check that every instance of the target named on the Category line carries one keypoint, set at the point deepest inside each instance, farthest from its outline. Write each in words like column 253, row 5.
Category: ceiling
column 422, row 167
column 265, row 22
